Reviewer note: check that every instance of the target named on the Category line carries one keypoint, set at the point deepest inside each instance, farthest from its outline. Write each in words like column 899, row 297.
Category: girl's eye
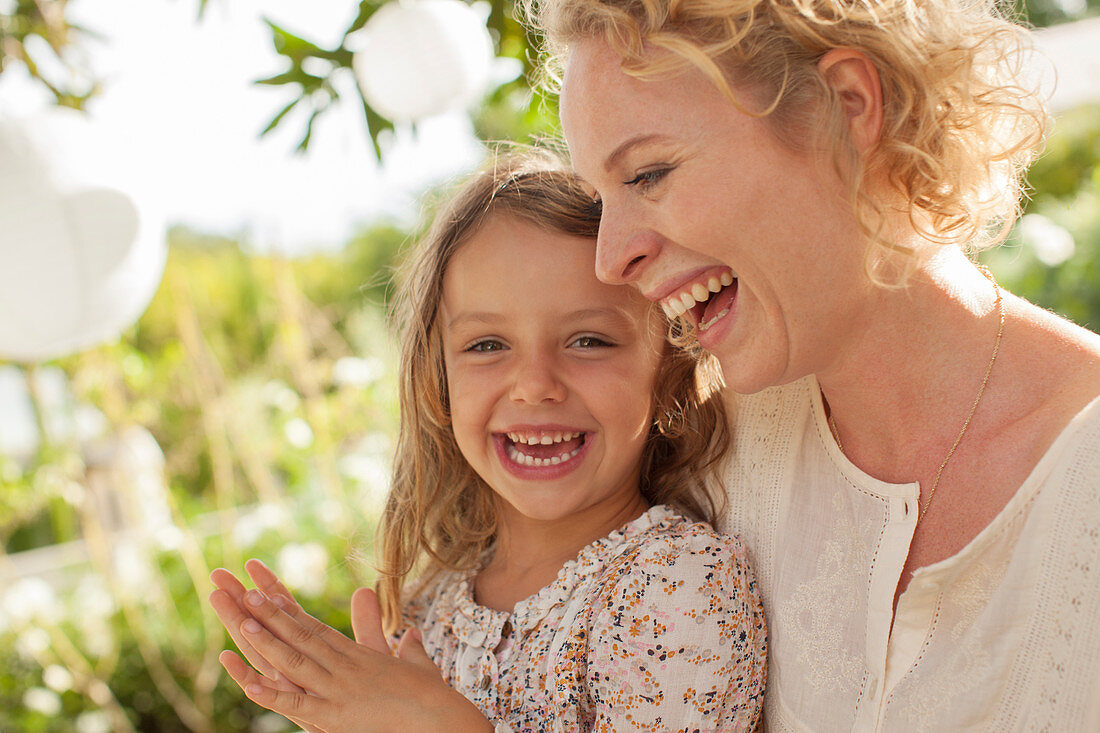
column 485, row 346
column 645, row 179
column 591, row 342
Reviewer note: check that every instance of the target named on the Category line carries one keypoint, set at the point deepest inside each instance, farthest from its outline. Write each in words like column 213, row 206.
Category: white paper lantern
column 424, row 57
column 79, row 261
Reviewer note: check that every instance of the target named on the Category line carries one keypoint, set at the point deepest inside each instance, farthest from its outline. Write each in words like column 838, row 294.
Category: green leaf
column 286, row 77
column 290, row 45
column 279, row 117
column 304, row 144
column 376, row 123
column 367, row 8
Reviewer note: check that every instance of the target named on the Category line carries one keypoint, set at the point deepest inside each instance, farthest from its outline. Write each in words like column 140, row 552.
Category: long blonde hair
column 960, row 124
column 440, row 515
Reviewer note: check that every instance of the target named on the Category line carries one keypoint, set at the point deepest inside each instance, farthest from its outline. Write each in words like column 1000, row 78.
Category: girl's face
column 697, row 194
column 549, row 371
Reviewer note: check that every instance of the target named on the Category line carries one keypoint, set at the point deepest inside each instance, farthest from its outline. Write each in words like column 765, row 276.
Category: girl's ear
column 855, row 79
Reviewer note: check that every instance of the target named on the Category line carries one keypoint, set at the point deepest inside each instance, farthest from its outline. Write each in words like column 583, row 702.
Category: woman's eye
column 590, row 342
column 648, row 178
column 485, row 347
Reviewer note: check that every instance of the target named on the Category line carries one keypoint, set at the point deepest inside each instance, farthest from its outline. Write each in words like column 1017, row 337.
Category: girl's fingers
column 411, row 649
column 261, row 687
column 291, row 648
column 366, row 621
column 266, row 580
column 270, row 585
column 313, row 627
column 227, row 581
column 231, row 615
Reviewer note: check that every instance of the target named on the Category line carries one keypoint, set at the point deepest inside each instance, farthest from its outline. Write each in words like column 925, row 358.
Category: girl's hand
column 228, row 604
column 343, row 686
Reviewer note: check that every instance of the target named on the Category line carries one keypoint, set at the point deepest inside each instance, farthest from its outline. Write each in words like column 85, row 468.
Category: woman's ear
column 855, row 79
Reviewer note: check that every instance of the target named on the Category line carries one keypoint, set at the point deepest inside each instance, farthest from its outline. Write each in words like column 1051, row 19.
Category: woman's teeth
column 677, row 304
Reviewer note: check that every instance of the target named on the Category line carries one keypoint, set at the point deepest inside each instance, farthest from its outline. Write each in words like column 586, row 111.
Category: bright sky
column 178, row 94
column 178, row 99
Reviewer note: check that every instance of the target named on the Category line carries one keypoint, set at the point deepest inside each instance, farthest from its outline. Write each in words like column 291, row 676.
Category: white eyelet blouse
column 1003, row 636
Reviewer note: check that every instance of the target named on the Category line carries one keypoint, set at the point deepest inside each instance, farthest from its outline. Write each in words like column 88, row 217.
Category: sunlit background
column 195, row 366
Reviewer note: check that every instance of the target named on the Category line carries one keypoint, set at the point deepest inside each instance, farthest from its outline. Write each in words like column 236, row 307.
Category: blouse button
column 485, row 682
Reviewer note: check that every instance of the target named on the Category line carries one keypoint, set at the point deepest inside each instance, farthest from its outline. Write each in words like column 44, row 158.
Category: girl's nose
column 536, row 381
column 623, row 249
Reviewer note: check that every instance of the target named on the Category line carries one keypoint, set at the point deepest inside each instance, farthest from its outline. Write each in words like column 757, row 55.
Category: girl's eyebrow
column 476, row 317
column 609, row 313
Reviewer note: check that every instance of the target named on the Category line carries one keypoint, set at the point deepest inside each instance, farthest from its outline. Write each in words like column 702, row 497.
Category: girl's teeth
column 714, row 284
column 525, row 460
column 727, row 279
column 700, row 292
column 687, row 300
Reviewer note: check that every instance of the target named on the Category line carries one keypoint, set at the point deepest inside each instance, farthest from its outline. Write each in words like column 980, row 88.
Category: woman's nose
column 536, row 381
column 623, row 249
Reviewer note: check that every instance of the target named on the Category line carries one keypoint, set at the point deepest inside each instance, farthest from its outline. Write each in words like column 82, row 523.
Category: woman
column 917, row 461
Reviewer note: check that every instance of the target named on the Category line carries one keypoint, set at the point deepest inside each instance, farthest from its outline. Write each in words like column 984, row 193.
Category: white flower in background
column 372, row 472
column 57, row 678
column 41, row 700
column 30, row 599
column 278, row 395
column 298, row 433
column 302, row 567
column 269, row 723
column 98, row 637
column 169, row 538
column 95, row 721
column 353, row 371
column 331, row 512
column 252, row 524
column 1053, row 244
column 31, row 643
column 368, row 463
column 133, row 563
column 93, row 599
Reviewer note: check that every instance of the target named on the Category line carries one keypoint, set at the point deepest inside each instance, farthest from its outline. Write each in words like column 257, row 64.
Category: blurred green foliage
column 269, row 386
column 1065, row 192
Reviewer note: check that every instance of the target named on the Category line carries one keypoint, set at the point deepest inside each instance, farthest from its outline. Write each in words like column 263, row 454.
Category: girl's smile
column 541, row 452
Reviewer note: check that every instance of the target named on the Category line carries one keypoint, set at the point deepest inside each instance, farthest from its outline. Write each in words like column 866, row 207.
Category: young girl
column 545, row 510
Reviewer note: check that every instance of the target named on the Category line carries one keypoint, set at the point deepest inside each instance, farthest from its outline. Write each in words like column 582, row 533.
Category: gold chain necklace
column 981, row 390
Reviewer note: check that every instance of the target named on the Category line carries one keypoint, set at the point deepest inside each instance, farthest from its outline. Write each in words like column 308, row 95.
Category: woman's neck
column 528, row 553
column 900, row 389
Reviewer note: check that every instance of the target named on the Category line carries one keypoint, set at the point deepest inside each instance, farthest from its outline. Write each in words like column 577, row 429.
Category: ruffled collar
column 479, row 626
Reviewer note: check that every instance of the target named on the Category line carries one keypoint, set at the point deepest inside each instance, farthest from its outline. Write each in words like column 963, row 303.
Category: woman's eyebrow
column 629, row 144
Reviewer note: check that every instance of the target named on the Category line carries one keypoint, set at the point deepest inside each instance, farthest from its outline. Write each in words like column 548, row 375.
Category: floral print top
column 656, row 627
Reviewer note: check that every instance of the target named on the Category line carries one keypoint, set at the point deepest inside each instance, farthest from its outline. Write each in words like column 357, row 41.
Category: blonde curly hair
column 960, row 125
column 440, row 515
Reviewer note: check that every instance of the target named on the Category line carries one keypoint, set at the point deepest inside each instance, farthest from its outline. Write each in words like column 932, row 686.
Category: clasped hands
column 320, row 679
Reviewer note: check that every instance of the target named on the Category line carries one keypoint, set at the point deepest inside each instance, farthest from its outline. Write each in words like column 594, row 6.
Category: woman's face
column 694, row 190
